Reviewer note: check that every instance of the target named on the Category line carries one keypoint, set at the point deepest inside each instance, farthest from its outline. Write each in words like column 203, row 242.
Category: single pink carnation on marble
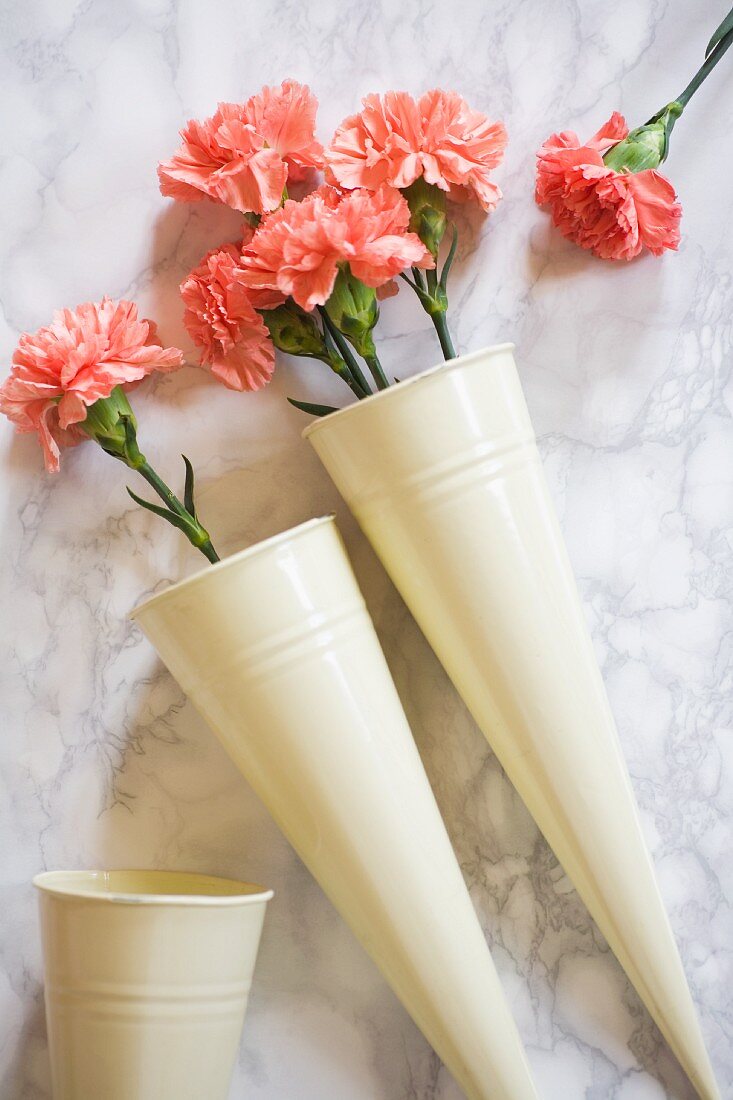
column 297, row 250
column 59, row 371
column 221, row 320
column 244, row 154
column 396, row 139
column 615, row 215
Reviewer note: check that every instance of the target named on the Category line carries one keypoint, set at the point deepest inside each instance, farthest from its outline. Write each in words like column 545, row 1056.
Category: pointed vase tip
column 705, row 1084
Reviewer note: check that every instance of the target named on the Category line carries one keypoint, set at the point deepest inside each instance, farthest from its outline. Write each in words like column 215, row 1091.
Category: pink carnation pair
column 295, row 253
column 297, row 250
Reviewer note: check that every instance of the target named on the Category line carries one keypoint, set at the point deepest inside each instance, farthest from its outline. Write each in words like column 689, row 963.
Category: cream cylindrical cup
column 276, row 650
column 147, row 975
column 443, row 475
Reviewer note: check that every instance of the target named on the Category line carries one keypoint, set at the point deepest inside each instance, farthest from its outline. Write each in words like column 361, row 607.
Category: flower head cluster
column 221, row 320
column 396, row 140
column 63, row 369
column 614, row 214
column 297, row 251
column 245, row 153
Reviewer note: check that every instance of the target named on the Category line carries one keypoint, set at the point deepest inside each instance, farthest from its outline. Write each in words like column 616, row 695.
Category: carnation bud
column 354, row 311
column 647, row 146
column 294, row 331
column 427, row 213
column 111, row 423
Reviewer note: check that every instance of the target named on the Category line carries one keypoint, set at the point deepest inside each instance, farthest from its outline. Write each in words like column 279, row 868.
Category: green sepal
column 647, row 146
column 294, row 331
column 164, row 513
column 311, row 409
column 111, row 422
column 725, row 28
column 188, row 500
column 427, row 213
column 353, row 309
column 449, row 260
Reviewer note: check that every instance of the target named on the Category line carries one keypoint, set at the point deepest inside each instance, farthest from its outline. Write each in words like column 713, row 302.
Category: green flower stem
column 706, row 68
column 197, row 535
column 357, row 381
column 111, row 423
column 437, row 292
column 418, row 277
column 441, row 327
column 432, row 292
column 372, row 361
column 339, row 367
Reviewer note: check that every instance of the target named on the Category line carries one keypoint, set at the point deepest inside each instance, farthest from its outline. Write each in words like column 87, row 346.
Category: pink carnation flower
column 59, row 371
column 297, row 250
column 244, row 154
column 220, row 318
column 396, row 139
column 613, row 214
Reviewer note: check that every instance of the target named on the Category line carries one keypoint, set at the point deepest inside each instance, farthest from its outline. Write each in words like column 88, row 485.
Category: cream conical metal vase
column 147, row 975
column 276, row 649
column 443, row 475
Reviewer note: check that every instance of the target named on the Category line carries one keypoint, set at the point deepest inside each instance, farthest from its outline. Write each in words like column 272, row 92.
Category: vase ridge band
column 451, row 476
column 293, row 644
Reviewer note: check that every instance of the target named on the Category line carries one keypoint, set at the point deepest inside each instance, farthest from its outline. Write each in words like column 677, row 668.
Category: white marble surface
column 627, row 374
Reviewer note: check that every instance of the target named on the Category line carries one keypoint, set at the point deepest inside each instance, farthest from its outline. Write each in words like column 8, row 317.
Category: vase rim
column 233, row 559
column 422, row 376
column 118, row 887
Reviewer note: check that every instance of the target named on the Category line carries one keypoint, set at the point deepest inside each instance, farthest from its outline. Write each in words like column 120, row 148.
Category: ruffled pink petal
column 657, row 210
column 312, row 285
column 221, row 320
column 250, row 361
column 610, row 133
column 286, row 119
column 254, row 184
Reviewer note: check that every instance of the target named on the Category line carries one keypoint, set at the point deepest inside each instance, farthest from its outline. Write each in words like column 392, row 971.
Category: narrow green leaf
column 177, row 521
column 188, row 488
column 449, row 259
column 313, row 410
column 721, row 32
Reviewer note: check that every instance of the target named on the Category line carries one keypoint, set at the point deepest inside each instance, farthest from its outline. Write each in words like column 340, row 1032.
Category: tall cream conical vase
column 277, row 651
column 443, row 474
column 147, row 975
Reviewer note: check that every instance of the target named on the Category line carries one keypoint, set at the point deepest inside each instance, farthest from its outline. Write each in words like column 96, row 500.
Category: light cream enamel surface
column 444, row 477
column 277, row 651
column 147, row 976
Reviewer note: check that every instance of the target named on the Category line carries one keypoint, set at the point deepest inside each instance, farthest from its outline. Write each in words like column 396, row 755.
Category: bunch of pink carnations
column 306, row 276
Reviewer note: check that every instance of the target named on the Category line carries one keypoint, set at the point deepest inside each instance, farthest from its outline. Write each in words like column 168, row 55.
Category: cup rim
column 63, row 884
column 233, row 559
column 398, row 387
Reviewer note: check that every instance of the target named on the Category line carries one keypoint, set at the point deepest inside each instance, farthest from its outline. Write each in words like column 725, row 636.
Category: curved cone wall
column 277, row 651
column 444, row 477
